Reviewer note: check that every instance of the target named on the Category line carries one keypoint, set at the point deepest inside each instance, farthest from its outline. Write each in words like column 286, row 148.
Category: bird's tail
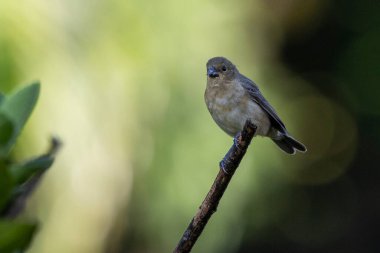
column 289, row 144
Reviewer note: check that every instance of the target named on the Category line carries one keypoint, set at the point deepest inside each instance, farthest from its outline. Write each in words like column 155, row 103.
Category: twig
column 209, row 205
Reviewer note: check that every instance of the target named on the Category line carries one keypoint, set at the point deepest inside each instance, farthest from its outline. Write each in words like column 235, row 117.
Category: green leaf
column 15, row 236
column 17, row 107
column 22, row 172
column 6, row 132
column 6, row 187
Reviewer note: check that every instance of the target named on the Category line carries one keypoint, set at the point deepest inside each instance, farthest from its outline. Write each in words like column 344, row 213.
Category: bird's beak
column 211, row 72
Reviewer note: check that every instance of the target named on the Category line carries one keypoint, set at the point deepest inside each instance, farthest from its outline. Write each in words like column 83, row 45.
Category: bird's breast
column 230, row 106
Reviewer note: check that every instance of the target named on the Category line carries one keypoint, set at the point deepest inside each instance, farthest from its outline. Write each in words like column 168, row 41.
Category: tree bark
column 228, row 166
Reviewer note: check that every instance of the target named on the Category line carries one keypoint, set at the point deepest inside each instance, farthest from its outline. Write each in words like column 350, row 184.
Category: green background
column 122, row 86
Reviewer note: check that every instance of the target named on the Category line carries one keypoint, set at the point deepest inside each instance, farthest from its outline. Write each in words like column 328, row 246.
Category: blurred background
column 122, row 86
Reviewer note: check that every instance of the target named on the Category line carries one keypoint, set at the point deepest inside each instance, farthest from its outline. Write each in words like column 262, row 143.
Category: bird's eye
column 224, row 68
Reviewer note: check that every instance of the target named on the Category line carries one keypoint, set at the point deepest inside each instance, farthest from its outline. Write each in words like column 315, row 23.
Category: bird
column 233, row 98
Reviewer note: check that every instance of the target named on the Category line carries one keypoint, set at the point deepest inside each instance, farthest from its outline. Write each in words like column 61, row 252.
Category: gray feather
column 256, row 95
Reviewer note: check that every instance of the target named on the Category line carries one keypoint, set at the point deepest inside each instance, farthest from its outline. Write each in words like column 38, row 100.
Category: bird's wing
column 256, row 95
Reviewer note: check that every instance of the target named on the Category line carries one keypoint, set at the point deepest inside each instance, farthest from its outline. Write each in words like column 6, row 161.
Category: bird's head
column 219, row 68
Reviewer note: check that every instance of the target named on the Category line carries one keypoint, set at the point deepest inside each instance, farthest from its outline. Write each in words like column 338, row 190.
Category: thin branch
column 228, row 166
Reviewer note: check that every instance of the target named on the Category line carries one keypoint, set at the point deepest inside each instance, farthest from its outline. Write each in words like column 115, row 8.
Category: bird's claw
column 222, row 166
column 236, row 141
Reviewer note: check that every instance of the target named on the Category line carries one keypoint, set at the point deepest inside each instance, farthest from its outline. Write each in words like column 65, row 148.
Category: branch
column 228, row 166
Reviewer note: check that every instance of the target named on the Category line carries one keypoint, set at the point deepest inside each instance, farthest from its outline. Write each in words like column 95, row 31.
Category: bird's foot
column 236, row 141
column 223, row 167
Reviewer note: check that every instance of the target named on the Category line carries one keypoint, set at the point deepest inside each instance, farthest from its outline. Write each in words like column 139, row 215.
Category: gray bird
column 232, row 99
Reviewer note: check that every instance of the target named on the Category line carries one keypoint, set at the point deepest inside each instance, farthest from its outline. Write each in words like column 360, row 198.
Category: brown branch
column 228, row 166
